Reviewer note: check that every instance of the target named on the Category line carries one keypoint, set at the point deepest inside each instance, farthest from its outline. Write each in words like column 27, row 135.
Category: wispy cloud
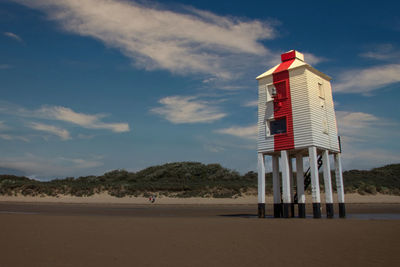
column 59, row 113
column 188, row 109
column 84, row 120
column 5, row 66
column 313, row 59
column 3, row 126
column 4, row 129
column 62, row 133
column 355, row 124
column 214, row 148
column 355, row 158
column 367, row 79
column 384, row 52
column 363, row 136
column 10, row 137
column 361, row 127
column 248, row 132
column 251, row 103
column 156, row 38
column 220, row 143
column 51, row 167
column 13, row 36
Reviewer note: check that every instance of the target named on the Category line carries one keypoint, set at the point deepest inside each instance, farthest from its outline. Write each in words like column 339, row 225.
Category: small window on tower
column 276, row 126
column 271, row 92
column 321, row 90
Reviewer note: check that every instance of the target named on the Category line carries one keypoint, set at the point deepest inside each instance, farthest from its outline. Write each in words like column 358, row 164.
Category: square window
column 276, row 126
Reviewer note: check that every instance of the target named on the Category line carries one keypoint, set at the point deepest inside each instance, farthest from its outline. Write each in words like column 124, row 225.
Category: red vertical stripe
column 283, row 107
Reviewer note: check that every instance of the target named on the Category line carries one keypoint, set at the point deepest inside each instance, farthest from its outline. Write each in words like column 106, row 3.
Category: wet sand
column 49, row 234
column 105, row 198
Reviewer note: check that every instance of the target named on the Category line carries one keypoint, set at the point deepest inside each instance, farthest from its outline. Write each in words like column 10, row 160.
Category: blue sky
column 95, row 85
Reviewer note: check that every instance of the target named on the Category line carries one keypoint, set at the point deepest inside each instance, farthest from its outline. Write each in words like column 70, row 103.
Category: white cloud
column 361, row 127
column 38, row 166
column 188, row 109
column 368, row 79
column 88, row 121
column 155, row 38
column 249, row 132
column 62, row 133
column 252, row 103
column 365, row 80
column 81, row 163
column 84, row 120
column 13, row 36
column 313, row 59
column 355, row 124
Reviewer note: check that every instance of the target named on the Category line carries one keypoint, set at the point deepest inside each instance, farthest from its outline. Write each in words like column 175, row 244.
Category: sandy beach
column 61, row 234
column 77, row 232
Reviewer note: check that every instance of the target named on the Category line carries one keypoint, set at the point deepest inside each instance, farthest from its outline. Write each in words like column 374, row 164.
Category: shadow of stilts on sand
column 355, row 216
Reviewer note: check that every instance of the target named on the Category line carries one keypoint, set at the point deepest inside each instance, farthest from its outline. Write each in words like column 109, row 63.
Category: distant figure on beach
column 152, row 199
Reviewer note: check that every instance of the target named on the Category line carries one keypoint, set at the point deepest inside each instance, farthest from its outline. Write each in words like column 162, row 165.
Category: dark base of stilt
column 277, row 210
column 286, row 208
column 329, row 210
column 292, row 210
column 316, row 210
column 261, row 210
column 302, row 210
column 342, row 210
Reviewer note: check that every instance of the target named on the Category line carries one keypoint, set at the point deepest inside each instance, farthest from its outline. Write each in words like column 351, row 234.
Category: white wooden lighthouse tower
column 296, row 119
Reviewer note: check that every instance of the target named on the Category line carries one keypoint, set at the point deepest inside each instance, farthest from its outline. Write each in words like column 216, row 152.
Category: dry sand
column 106, row 198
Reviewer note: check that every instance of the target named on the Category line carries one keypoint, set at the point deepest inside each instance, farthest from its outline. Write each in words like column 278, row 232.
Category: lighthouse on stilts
column 296, row 120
